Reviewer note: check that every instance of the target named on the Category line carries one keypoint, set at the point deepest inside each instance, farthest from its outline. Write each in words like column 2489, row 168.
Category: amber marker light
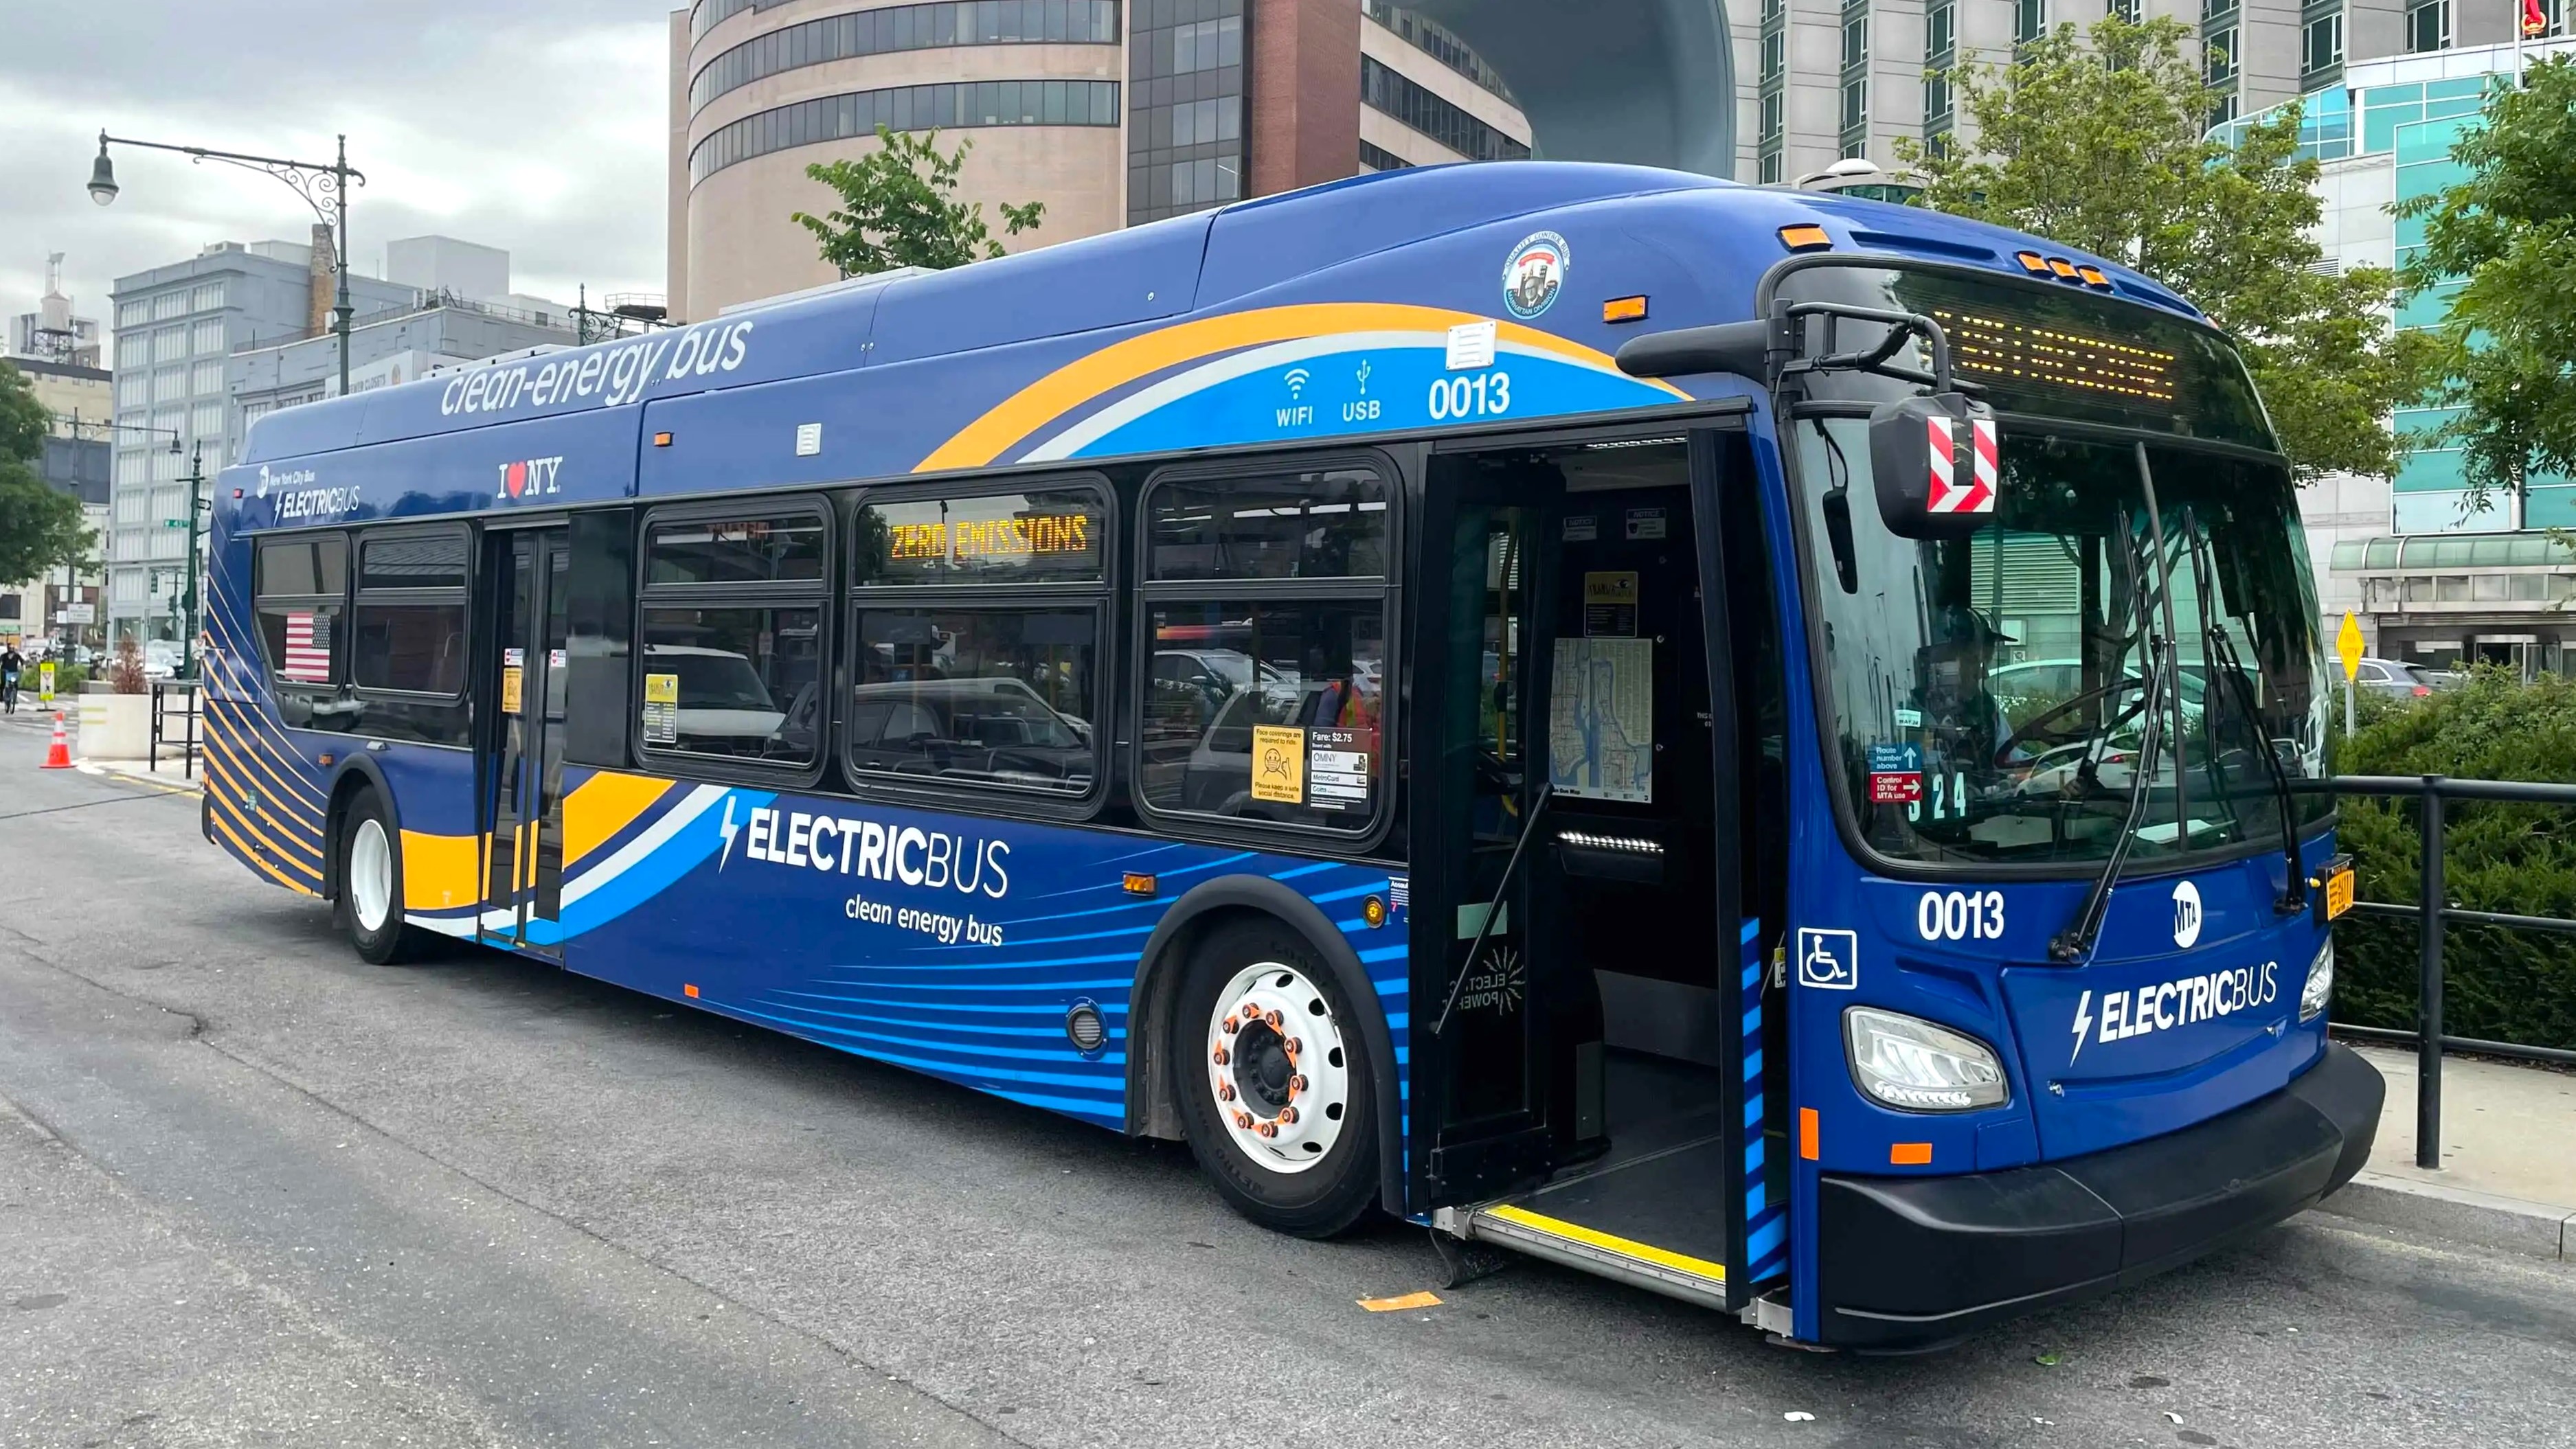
column 1624, row 309
column 1805, row 238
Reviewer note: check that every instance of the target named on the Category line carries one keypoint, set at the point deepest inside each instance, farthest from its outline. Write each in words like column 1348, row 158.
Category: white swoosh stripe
column 673, row 821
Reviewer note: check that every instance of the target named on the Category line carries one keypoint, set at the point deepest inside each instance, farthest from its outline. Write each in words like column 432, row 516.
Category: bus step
column 1647, row 1220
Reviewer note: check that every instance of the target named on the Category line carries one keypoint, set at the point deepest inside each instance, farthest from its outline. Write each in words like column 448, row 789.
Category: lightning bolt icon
column 727, row 828
column 2083, row 1020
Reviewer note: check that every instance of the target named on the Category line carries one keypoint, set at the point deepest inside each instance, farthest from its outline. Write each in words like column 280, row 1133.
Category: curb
column 137, row 777
column 2526, row 1229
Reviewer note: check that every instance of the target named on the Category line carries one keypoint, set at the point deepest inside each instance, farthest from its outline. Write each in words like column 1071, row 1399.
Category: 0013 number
column 1486, row 395
column 1960, row 915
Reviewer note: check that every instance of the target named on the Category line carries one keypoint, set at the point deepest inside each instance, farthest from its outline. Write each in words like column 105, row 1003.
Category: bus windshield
column 1990, row 693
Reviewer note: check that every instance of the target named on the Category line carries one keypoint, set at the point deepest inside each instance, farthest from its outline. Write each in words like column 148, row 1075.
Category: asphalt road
column 254, row 1191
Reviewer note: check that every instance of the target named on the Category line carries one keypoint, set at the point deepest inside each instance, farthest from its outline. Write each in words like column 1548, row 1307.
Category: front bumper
column 1911, row 1262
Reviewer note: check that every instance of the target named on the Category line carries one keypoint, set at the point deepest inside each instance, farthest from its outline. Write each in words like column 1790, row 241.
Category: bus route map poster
column 1601, row 720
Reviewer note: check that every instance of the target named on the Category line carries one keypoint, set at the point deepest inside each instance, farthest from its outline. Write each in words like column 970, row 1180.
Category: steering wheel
column 2033, row 727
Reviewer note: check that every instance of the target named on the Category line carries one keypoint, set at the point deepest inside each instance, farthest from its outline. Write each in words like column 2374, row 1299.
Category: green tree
column 2099, row 140
column 40, row 526
column 2508, row 235
column 898, row 209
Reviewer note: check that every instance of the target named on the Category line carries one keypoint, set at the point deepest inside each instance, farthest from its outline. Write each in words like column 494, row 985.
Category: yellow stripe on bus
column 441, row 871
column 1608, row 1243
column 601, row 806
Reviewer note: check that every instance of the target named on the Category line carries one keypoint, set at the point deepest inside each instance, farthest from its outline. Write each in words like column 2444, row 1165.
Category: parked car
column 160, row 658
column 2397, row 678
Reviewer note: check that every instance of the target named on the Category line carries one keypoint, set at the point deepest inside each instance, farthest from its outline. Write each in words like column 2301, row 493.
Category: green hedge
column 2516, row 986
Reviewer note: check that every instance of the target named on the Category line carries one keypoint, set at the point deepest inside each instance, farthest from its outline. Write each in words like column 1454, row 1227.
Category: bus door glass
column 523, row 874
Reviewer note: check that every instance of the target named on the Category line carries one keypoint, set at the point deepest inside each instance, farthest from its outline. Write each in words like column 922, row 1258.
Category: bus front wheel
column 1274, row 1082
column 370, row 903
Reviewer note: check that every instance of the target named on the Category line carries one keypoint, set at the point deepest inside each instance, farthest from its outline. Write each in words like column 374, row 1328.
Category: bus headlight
column 1907, row 1062
column 2320, row 988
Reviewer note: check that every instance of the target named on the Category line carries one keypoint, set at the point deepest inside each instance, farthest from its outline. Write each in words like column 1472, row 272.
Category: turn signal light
column 1138, row 884
column 1805, row 238
column 661, row 440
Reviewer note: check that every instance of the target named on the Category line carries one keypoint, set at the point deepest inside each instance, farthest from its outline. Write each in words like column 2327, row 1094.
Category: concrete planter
column 114, row 726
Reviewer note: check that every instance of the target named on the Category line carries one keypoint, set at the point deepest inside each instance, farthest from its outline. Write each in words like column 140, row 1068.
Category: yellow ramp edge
column 1594, row 1238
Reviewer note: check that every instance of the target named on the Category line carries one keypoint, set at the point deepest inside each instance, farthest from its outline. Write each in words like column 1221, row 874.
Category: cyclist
column 10, row 664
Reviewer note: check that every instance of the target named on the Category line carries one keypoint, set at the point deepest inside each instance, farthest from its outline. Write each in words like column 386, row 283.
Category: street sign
column 76, row 613
column 45, row 678
column 174, row 523
column 2348, row 644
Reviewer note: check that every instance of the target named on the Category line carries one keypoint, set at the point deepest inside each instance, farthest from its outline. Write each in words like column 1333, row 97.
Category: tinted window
column 1292, row 526
column 1266, row 711
column 987, row 696
column 317, row 565
column 736, row 551
column 419, row 561
column 1051, row 537
column 416, row 647
column 743, row 683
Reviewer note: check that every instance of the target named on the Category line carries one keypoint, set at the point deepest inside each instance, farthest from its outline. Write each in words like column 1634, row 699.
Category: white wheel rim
column 1278, row 1068
column 371, row 876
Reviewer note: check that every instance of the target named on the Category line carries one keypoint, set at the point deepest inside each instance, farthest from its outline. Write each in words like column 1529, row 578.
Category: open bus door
column 527, row 578
column 1588, row 1081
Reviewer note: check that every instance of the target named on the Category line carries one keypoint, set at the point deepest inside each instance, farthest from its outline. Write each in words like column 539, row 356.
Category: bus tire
column 1273, row 1080
column 370, row 903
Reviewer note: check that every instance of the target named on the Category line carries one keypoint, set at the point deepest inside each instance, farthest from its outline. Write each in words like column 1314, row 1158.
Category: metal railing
column 2431, row 911
column 187, row 714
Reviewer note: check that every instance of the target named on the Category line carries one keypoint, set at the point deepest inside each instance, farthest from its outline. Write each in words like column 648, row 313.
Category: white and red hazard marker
column 1977, row 493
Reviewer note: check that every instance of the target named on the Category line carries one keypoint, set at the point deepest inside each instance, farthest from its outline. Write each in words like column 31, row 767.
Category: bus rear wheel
column 371, row 894
column 1274, row 1083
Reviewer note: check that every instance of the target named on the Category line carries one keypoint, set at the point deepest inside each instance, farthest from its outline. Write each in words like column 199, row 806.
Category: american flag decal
column 1977, row 495
column 308, row 648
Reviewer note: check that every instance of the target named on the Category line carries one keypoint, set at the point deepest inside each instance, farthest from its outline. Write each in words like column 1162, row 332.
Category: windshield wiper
column 2074, row 945
column 2221, row 651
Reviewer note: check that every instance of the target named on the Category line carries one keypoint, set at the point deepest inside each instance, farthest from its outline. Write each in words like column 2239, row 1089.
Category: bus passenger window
column 981, row 696
column 732, row 639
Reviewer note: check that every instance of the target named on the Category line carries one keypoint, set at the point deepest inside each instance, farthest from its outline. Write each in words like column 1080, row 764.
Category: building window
column 133, row 389
column 170, row 344
column 2125, row 10
column 1775, row 51
column 1855, row 38
column 1936, row 102
column 133, row 349
column 1378, row 158
column 902, row 28
column 2030, row 17
column 2212, row 9
column 1390, row 93
column 207, row 337
column 1771, row 107
column 1257, row 707
column 207, row 378
column 206, row 297
column 169, row 304
column 1185, row 131
column 1941, row 30
column 2218, row 56
column 2323, row 47
column 1436, row 41
column 732, row 642
column 1769, row 175
column 2428, row 27
column 906, row 108
column 134, row 313
column 1855, row 103
column 206, row 420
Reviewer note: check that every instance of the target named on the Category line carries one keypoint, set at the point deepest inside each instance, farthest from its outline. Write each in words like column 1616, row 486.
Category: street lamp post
column 197, row 503
column 324, row 187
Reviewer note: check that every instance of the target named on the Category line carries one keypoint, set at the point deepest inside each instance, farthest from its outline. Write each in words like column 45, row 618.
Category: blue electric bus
column 1763, row 745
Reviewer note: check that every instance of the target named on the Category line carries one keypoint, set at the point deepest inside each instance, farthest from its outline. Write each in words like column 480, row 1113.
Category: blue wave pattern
column 1766, row 1223
column 961, row 984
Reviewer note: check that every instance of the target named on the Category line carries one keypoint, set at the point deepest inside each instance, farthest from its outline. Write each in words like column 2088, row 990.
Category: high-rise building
column 1111, row 112
column 2434, row 573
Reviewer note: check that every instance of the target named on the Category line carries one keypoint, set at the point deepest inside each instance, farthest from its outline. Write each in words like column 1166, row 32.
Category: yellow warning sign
column 661, row 689
column 1610, row 604
column 2348, row 644
column 510, row 688
column 1279, row 764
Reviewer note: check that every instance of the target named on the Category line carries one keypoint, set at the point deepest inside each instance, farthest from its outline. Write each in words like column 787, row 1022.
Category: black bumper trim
column 1913, row 1262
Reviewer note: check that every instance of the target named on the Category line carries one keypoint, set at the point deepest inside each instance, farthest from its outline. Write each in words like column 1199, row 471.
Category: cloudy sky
column 538, row 129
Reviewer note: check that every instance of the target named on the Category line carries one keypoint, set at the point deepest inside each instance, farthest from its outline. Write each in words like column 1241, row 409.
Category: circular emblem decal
column 515, row 478
column 2186, row 899
column 1535, row 274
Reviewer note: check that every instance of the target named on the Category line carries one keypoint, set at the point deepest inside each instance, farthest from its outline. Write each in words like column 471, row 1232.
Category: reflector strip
column 1399, row 1305
column 1807, row 1133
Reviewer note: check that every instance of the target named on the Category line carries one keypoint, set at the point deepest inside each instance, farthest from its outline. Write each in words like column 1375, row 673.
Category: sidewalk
column 2508, row 1174
column 168, row 777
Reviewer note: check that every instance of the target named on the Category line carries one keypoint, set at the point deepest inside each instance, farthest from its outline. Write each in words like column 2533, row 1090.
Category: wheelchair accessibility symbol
column 1829, row 959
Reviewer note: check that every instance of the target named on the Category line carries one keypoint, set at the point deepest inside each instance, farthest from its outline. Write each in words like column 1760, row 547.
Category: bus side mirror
column 1935, row 458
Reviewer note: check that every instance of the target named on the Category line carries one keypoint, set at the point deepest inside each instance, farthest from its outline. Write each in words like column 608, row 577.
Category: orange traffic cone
column 60, row 756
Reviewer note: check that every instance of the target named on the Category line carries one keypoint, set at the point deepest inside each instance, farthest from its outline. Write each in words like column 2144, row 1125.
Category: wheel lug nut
column 1243, row 1120
column 1220, row 1056
column 1288, row 1115
column 1269, row 1129
column 1225, row 1091
column 1296, row 1084
column 1274, row 1018
column 1295, row 1045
